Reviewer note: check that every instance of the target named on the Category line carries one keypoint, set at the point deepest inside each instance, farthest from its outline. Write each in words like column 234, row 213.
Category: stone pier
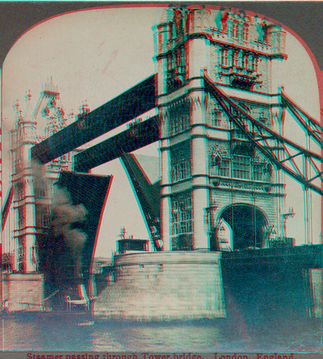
column 22, row 292
column 164, row 286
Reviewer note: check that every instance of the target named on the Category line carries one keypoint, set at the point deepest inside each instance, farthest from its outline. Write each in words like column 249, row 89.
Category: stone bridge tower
column 31, row 185
column 218, row 191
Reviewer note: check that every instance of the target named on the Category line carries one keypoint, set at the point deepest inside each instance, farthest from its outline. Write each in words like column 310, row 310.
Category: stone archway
column 247, row 224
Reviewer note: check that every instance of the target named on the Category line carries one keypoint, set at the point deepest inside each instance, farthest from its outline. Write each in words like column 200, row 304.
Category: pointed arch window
column 246, row 62
column 225, row 58
column 236, row 59
column 182, row 216
column 240, row 32
column 235, row 30
column 245, row 32
column 220, row 165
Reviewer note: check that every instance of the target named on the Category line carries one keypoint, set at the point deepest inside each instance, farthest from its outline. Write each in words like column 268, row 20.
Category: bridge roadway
column 306, row 256
column 272, row 283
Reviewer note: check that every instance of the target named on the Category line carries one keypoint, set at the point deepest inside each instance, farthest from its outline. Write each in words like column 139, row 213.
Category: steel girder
column 148, row 196
column 301, row 164
column 313, row 129
column 127, row 106
column 137, row 136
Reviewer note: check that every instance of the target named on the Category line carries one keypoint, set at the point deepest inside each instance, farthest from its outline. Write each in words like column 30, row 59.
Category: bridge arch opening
column 240, row 226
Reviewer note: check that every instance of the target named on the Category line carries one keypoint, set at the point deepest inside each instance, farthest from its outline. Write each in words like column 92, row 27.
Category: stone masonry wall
column 22, row 288
column 164, row 286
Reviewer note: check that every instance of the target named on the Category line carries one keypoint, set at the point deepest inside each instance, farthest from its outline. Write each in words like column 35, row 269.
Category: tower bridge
column 219, row 118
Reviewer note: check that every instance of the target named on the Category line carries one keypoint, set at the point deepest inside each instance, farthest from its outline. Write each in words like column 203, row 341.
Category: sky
column 94, row 55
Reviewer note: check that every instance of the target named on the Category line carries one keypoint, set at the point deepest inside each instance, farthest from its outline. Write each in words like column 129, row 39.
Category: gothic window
column 236, row 59
column 181, row 170
column 229, row 29
column 180, row 161
column 40, row 191
column 20, row 254
column 20, row 191
column 258, row 170
column 250, row 63
column 240, row 32
column 235, row 30
column 246, row 62
column 225, row 57
column 21, row 217
column 181, row 216
column 241, row 161
column 220, row 166
column 240, row 59
column 223, row 168
column 41, row 216
column 179, row 117
column 241, row 167
column 245, row 32
column 170, row 62
column 176, row 69
column 217, row 116
column 255, row 64
column 17, row 164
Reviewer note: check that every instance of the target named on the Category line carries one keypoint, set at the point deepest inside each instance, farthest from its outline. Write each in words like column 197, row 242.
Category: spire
column 18, row 111
column 28, row 111
column 50, row 87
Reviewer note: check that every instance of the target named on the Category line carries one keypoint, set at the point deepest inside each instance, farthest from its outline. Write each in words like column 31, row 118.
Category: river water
column 43, row 332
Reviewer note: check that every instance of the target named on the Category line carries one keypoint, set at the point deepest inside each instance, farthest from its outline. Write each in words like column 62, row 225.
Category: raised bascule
column 218, row 110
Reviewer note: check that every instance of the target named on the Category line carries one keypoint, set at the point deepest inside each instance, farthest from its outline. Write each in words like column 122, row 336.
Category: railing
column 274, row 252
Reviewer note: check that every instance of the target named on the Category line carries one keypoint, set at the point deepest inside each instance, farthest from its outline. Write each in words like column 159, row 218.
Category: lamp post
column 285, row 216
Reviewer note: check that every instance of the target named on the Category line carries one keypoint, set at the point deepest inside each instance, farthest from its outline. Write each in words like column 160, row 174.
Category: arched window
column 235, row 30
column 229, row 29
column 246, row 62
column 225, row 57
column 255, row 64
column 245, row 32
column 220, row 166
column 182, row 216
column 240, row 32
column 236, row 59
column 241, row 162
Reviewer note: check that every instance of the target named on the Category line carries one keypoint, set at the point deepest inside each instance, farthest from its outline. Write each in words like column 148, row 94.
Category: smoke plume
column 65, row 215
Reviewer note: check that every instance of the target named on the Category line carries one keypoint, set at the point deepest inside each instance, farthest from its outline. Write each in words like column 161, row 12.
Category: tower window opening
column 20, row 254
column 220, row 166
column 20, row 191
column 236, row 59
column 21, row 217
column 235, row 30
column 250, row 63
column 180, row 119
column 181, row 170
column 240, row 32
column 255, row 64
column 42, row 219
column 229, row 30
column 176, row 69
column 217, row 117
column 246, row 62
column 225, row 57
column 258, row 170
column 241, row 167
column 182, row 216
column 245, row 32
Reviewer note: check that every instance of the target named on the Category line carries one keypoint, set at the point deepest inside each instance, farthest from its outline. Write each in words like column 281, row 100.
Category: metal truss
column 301, row 164
column 313, row 129
column 149, row 198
